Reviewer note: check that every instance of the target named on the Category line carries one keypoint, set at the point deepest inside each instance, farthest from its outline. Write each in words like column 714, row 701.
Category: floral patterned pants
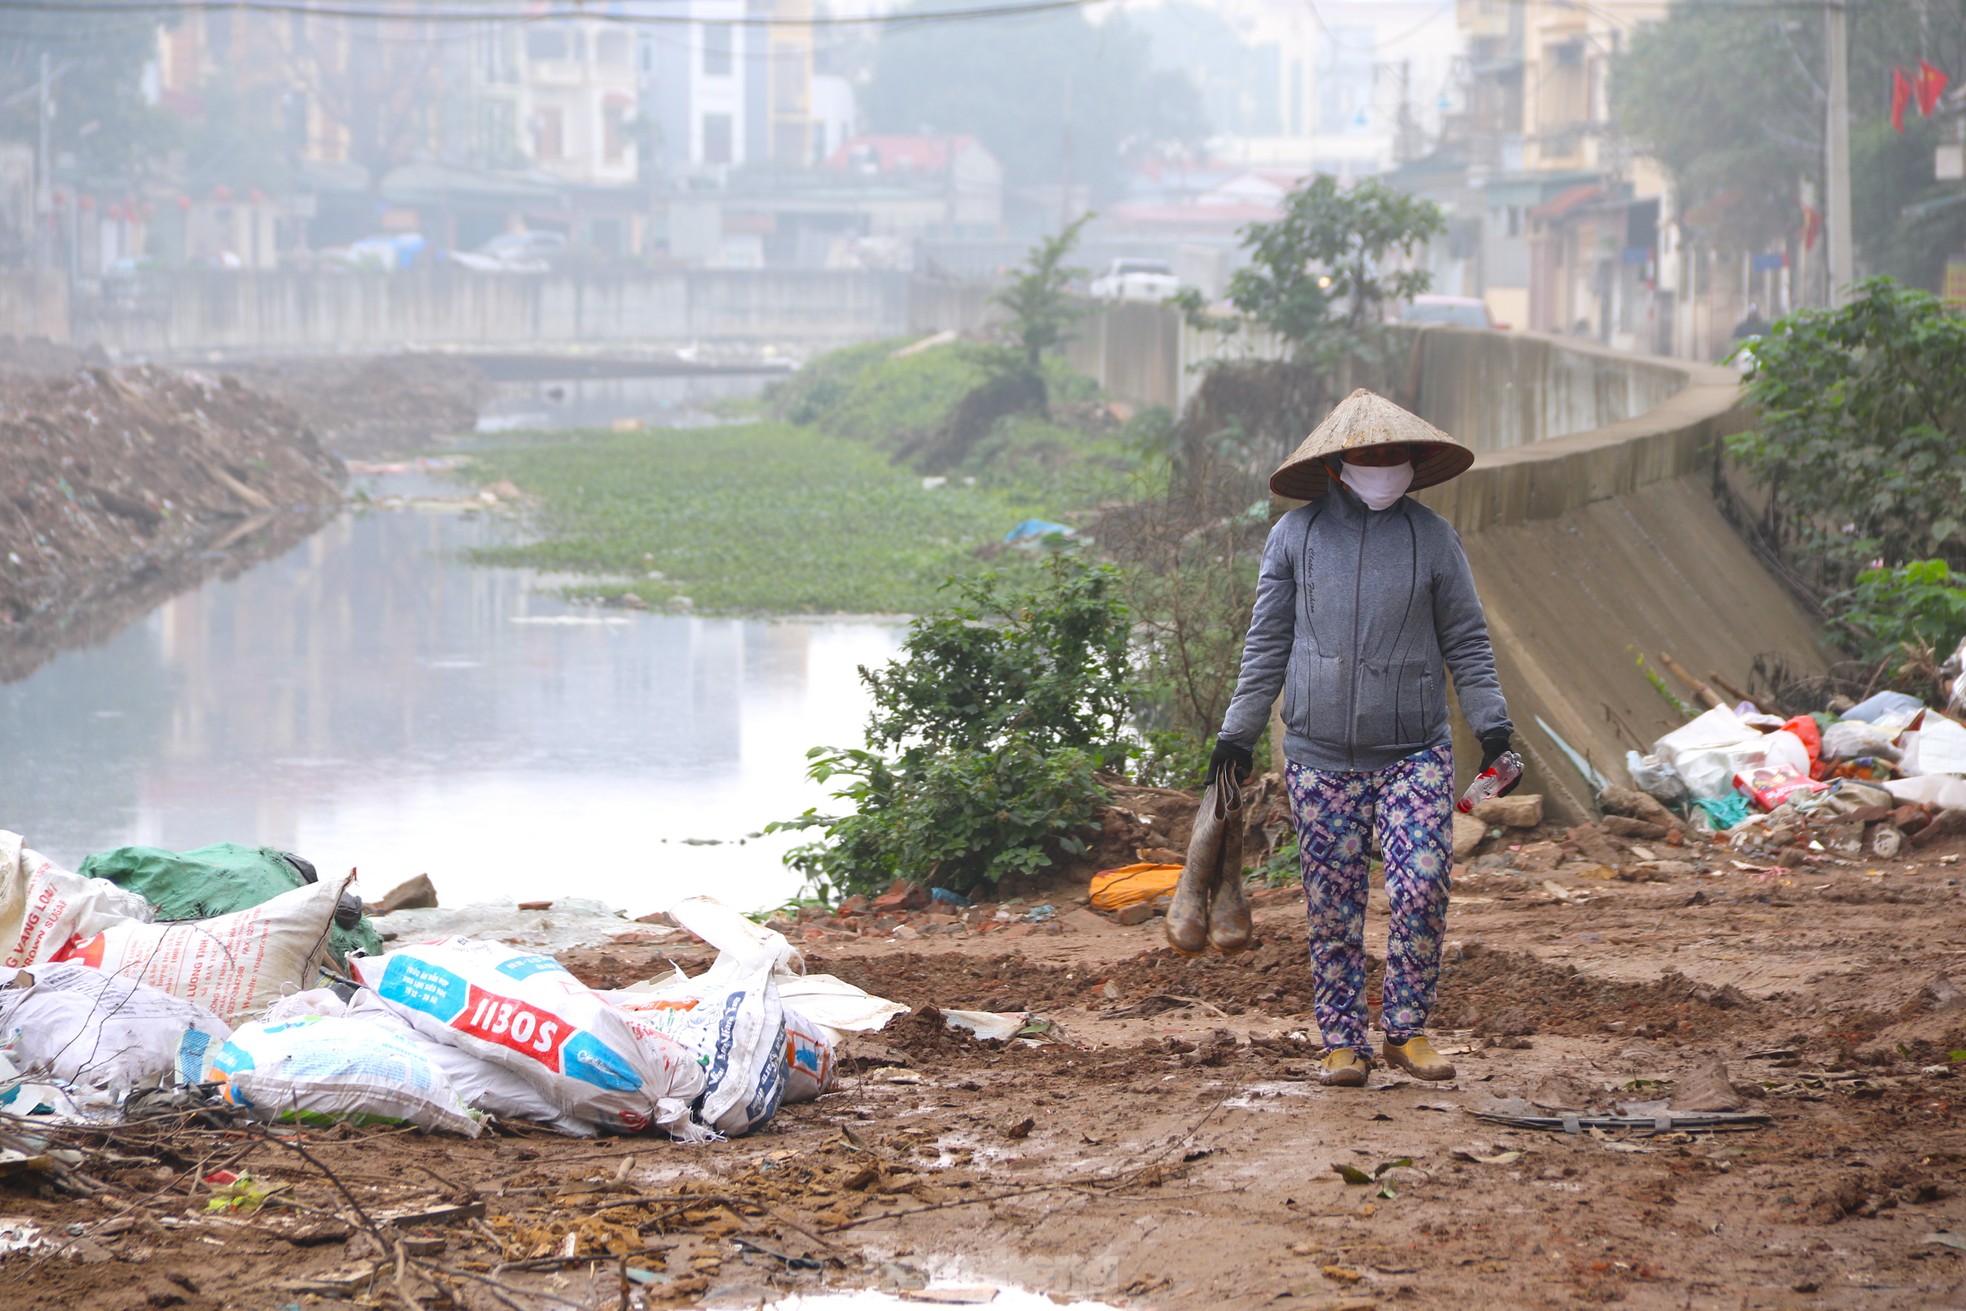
column 1411, row 803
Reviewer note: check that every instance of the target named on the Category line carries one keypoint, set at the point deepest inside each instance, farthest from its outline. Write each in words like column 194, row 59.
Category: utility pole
column 1403, row 149
column 44, row 173
column 1065, row 151
column 1842, row 269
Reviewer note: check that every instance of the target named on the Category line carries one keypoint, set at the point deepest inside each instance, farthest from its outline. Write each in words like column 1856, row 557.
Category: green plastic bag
column 217, row 880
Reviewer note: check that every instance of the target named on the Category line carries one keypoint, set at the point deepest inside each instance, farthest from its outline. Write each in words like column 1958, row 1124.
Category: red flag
column 1900, row 97
column 1931, row 85
column 1812, row 227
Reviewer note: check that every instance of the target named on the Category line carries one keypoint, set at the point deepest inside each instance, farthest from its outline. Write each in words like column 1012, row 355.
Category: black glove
column 1229, row 757
column 1493, row 745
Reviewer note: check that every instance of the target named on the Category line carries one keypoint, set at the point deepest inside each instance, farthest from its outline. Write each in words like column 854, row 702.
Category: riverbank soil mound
column 1161, row 1141
column 375, row 405
column 121, row 487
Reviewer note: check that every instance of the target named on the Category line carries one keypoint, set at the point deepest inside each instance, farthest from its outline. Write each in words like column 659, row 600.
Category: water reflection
column 368, row 701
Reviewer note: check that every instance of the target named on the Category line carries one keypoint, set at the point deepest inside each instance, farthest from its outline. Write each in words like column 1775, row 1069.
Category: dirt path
column 1172, row 1150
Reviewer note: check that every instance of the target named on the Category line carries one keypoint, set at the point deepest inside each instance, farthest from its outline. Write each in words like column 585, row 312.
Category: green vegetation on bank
column 1860, row 422
column 749, row 518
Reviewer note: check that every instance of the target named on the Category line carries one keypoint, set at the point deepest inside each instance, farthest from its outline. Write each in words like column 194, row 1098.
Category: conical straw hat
column 1365, row 419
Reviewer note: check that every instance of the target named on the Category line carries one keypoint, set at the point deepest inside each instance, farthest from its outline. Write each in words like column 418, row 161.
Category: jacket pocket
column 1400, row 704
column 1314, row 695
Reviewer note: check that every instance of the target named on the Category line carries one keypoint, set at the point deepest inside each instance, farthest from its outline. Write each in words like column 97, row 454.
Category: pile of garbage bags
column 1890, row 766
column 278, row 1009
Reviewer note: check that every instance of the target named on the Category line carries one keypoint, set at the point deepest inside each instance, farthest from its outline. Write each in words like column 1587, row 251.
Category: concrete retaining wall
column 1601, row 548
column 34, row 305
column 193, row 312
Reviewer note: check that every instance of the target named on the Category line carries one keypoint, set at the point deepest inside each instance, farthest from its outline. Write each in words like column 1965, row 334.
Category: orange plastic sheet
column 1129, row 885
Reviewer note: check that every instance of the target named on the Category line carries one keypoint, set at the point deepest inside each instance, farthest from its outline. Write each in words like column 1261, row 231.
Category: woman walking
column 1364, row 604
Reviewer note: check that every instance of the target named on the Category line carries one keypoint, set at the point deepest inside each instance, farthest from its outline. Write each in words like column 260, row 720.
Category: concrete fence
column 188, row 313
column 34, row 305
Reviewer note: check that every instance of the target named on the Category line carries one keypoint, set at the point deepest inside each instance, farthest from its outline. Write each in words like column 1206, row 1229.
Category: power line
column 317, row 9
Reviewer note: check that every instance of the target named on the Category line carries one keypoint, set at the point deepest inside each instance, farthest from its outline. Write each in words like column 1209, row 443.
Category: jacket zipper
column 1358, row 584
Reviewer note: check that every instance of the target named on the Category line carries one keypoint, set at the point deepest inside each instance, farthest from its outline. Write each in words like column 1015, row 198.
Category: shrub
column 1916, row 606
column 1862, row 418
column 985, row 739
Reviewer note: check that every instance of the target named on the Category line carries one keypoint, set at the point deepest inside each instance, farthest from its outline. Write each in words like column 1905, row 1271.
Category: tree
column 377, row 80
column 96, row 62
column 1052, row 96
column 1732, row 103
column 1040, row 302
column 1319, row 277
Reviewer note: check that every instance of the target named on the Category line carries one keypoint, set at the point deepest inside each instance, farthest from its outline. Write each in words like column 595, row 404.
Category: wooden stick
column 1701, row 692
column 1732, row 691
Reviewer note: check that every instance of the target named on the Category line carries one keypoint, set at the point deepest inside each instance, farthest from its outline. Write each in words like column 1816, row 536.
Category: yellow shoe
column 1344, row 1067
column 1418, row 1058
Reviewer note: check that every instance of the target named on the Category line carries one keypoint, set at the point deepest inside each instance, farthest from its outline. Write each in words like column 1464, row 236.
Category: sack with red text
column 43, row 906
column 234, row 965
column 528, row 1013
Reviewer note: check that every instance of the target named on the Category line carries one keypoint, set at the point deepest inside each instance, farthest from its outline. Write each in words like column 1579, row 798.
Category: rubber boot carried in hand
column 1198, row 897
column 1229, row 926
column 1187, row 914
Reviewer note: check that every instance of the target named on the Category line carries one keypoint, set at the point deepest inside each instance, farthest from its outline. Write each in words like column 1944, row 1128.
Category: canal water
column 369, row 700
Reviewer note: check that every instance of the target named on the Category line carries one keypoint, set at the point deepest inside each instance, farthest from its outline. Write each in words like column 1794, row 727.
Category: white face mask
column 1377, row 485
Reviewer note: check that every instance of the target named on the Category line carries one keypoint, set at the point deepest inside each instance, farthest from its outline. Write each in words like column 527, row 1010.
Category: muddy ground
column 368, row 406
column 1168, row 1147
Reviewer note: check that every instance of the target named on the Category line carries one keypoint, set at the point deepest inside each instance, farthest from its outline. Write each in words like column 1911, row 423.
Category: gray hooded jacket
column 1357, row 612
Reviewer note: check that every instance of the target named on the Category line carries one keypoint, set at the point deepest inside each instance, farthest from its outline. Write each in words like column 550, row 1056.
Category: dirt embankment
column 121, row 487
column 375, row 405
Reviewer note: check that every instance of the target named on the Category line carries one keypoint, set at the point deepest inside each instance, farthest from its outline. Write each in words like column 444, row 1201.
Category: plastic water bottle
column 1489, row 782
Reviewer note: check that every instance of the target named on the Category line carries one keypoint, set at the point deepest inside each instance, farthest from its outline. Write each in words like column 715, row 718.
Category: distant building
column 693, row 89
column 577, row 100
column 1573, row 229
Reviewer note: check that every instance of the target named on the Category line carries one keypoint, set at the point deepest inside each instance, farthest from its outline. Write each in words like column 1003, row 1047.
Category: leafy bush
column 1862, row 421
column 1042, row 310
column 1320, row 275
column 891, row 401
column 824, row 382
column 985, row 739
column 1919, row 605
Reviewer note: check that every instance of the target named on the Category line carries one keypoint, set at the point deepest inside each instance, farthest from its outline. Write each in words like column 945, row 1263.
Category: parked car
column 1136, row 279
column 515, row 252
column 386, row 252
column 1454, row 311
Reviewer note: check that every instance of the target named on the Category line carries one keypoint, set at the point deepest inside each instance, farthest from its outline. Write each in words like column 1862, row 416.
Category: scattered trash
column 1132, row 885
column 1035, row 531
column 234, row 965
column 566, row 923
column 330, row 1067
column 100, row 1037
column 219, row 880
column 1672, row 1122
column 752, row 1066
column 944, row 896
column 991, row 1026
column 527, row 1013
column 43, row 906
column 1482, row 1156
